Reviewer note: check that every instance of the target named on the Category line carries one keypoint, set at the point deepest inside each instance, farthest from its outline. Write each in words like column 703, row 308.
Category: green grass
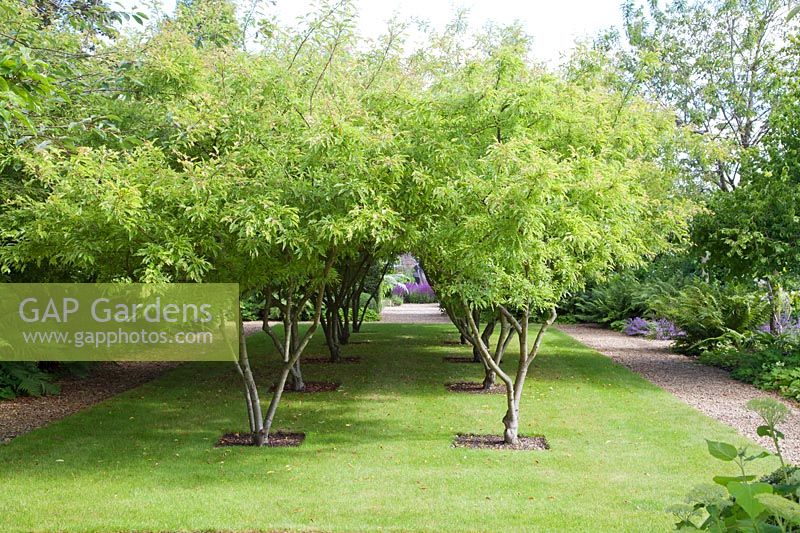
column 377, row 453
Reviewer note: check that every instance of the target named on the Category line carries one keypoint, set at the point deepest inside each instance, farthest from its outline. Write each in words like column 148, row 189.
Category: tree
column 210, row 22
column 558, row 184
column 237, row 169
column 715, row 64
column 753, row 233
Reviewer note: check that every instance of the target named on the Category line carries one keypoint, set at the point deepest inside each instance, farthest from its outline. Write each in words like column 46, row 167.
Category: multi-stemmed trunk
column 506, row 335
column 461, row 323
column 330, row 326
column 295, row 378
column 476, row 352
column 514, row 386
column 290, row 347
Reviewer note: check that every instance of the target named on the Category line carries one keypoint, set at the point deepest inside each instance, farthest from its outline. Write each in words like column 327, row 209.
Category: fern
column 25, row 379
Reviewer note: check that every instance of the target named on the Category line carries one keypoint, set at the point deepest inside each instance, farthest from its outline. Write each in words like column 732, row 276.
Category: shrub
column 770, row 362
column 627, row 294
column 740, row 503
column 25, row 379
column 252, row 307
column 779, row 377
column 613, row 302
column 661, row 329
column 371, row 315
column 419, row 293
column 637, row 326
column 710, row 314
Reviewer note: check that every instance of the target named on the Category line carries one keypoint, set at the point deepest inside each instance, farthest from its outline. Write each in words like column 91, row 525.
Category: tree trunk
column 476, row 352
column 355, row 305
column 252, row 400
column 344, row 327
column 331, row 336
column 262, row 435
column 775, row 309
column 296, row 382
column 488, row 377
column 511, row 421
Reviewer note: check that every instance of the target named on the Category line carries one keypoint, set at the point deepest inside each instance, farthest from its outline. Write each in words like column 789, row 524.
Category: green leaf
column 758, row 456
column 722, row 450
column 724, row 480
column 780, row 506
column 745, row 493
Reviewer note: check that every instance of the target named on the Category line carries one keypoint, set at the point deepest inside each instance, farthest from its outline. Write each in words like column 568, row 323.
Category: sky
column 554, row 24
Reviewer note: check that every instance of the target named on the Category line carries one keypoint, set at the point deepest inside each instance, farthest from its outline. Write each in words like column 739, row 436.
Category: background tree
column 715, row 64
column 753, row 233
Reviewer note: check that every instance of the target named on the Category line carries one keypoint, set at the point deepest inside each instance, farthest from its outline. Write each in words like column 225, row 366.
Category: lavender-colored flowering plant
column 637, row 326
column 661, row 329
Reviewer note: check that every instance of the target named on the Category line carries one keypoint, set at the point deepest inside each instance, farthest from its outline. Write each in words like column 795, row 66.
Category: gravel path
column 708, row 389
column 414, row 314
column 24, row 414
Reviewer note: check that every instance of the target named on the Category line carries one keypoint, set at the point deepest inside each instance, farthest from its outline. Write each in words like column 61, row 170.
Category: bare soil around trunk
column 496, row 442
column 457, row 359
column 312, row 387
column 326, row 360
column 277, row 439
column 471, row 387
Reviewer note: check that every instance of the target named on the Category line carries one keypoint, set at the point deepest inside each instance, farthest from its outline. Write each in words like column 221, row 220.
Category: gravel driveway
column 708, row 389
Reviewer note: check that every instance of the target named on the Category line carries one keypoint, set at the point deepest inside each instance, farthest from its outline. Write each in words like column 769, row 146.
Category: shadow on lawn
column 181, row 415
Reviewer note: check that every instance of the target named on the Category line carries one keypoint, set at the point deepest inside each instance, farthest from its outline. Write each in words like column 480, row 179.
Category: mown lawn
column 377, row 453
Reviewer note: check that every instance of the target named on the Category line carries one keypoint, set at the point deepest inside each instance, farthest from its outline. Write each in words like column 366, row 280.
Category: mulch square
column 325, row 360
column 312, row 387
column 456, row 359
column 472, row 387
column 496, row 442
column 278, row 439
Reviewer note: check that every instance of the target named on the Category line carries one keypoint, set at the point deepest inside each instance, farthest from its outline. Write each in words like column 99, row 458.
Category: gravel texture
column 252, row 327
column 414, row 314
column 708, row 389
column 24, row 414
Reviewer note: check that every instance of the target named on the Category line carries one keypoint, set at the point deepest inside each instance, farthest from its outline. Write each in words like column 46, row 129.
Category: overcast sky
column 554, row 24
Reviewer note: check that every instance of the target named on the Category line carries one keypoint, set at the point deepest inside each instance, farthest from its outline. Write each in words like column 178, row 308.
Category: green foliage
column 371, row 315
column 24, row 379
column 716, row 64
column 780, row 378
column 209, row 22
column 753, row 232
column 535, row 211
column 251, row 307
column 770, row 362
column 627, row 294
column 610, row 303
column 740, row 503
column 711, row 314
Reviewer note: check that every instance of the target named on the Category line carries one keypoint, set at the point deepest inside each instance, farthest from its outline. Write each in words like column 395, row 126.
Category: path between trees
column 414, row 314
column 709, row 390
